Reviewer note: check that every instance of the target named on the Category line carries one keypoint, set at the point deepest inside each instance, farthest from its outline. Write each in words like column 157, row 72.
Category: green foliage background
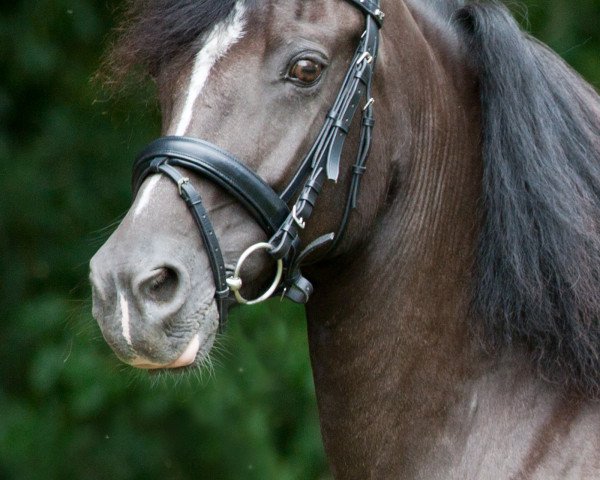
column 68, row 409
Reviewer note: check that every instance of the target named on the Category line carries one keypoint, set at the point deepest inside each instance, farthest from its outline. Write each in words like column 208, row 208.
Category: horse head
column 257, row 84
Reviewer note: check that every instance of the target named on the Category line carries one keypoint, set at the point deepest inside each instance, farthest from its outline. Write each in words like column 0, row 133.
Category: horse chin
column 196, row 352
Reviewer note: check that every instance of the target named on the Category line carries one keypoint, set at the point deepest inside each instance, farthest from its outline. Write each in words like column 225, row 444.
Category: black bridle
column 268, row 208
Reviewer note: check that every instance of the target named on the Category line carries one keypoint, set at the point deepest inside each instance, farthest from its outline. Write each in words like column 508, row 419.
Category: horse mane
column 445, row 8
column 153, row 32
column 537, row 279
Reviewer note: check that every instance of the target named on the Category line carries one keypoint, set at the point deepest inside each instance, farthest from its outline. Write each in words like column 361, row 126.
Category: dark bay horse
column 454, row 328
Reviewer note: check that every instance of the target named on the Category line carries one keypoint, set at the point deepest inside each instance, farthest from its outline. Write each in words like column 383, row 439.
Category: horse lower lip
column 187, row 357
column 189, row 354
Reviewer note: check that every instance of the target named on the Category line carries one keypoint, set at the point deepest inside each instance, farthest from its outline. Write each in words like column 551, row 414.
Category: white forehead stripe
column 125, row 319
column 217, row 43
column 144, row 198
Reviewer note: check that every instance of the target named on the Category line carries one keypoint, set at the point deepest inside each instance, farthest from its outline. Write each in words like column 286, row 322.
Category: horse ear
column 537, row 279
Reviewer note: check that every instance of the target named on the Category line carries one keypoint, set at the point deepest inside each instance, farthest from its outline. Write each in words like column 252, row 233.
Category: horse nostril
column 161, row 292
column 161, row 285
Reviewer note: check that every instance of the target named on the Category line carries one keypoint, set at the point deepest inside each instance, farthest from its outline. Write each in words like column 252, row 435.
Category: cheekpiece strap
column 323, row 160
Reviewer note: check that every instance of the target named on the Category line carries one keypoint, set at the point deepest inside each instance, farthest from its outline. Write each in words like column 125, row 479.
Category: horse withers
column 454, row 313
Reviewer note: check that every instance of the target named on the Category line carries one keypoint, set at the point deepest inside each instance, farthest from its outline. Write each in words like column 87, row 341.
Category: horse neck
column 395, row 368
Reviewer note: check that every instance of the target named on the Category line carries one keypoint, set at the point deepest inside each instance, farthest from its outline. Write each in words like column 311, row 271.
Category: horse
column 450, row 249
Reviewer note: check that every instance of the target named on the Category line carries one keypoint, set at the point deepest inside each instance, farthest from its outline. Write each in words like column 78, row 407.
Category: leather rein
column 271, row 210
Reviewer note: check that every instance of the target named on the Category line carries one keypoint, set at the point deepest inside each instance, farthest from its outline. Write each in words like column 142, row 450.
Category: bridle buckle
column 365, row 56
column 298, row 220
column 180, row 183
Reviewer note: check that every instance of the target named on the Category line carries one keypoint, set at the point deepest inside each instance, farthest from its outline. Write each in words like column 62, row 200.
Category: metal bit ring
column 235, row 282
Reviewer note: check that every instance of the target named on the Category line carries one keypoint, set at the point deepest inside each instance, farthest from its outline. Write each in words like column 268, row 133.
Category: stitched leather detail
column 220, row 167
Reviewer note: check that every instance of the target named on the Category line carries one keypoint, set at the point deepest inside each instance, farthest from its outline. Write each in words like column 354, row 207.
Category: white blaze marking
column 217, row 43
column 145, row 196
column 125, row 319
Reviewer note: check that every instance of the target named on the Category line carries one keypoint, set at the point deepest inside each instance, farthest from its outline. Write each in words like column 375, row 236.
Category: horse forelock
column 152, row 33
column 537, row 279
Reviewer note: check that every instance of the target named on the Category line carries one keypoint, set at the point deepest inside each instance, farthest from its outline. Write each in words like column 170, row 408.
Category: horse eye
column 305, row 72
